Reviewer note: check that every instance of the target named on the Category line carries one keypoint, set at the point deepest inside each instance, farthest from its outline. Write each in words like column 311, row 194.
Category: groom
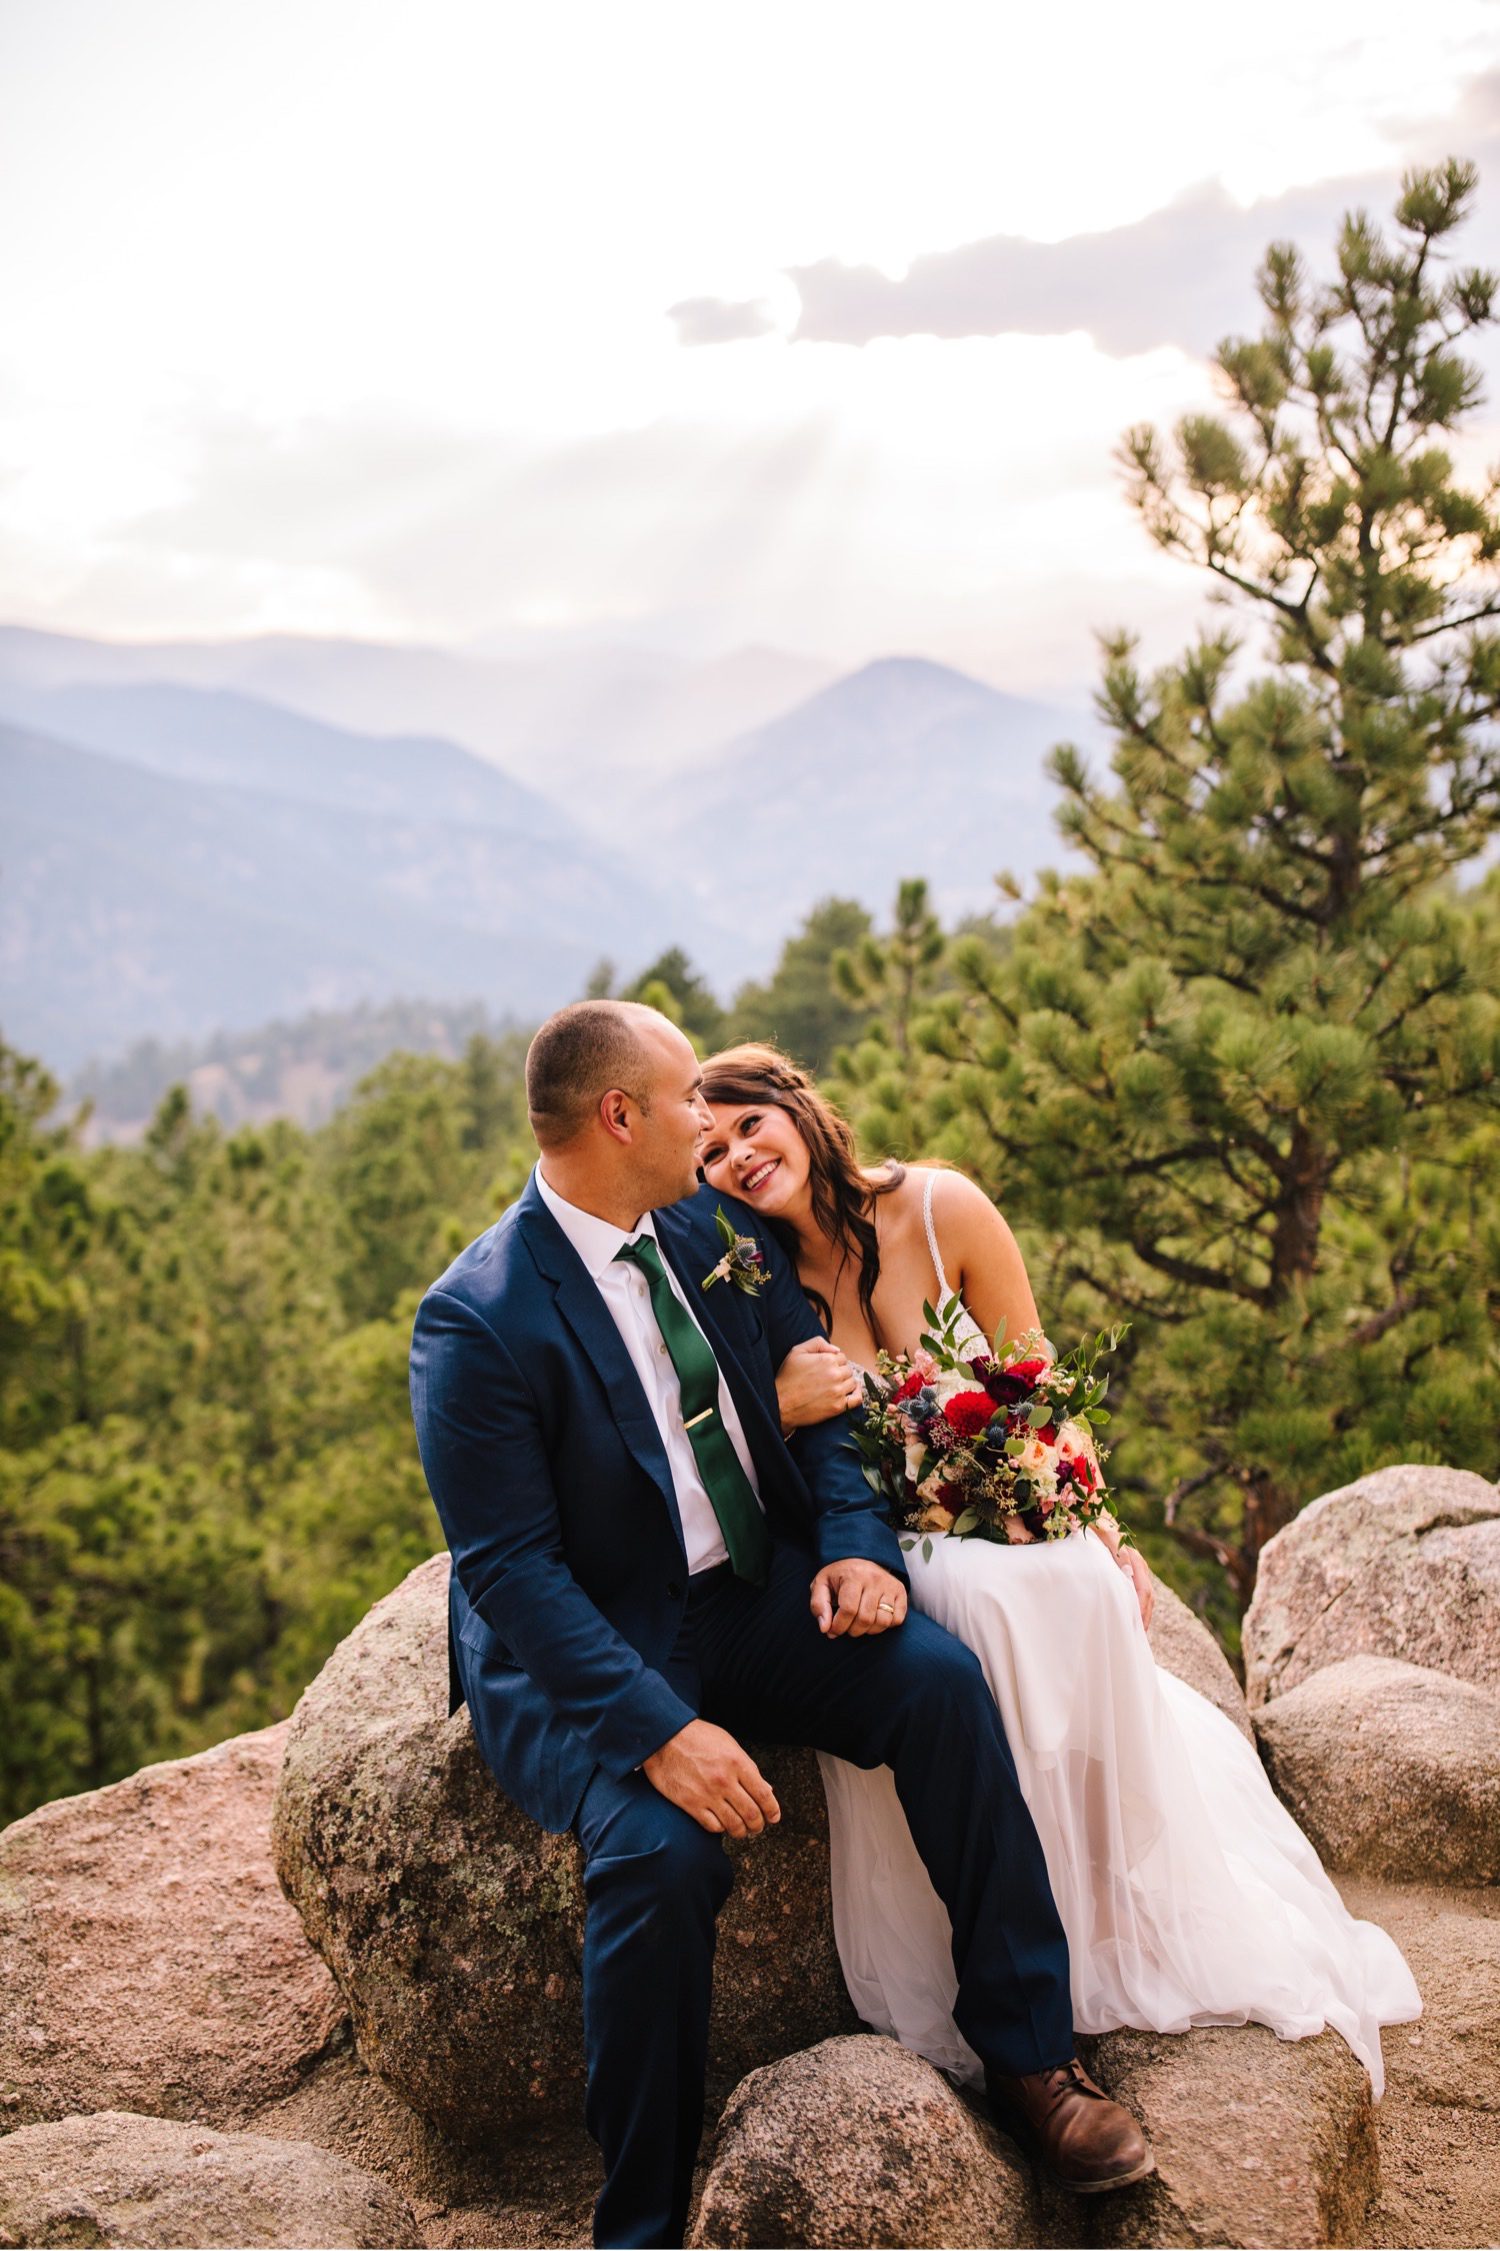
column 644, row 1572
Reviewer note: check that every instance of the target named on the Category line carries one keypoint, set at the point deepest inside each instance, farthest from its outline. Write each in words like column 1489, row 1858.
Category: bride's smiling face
column 754, row 1151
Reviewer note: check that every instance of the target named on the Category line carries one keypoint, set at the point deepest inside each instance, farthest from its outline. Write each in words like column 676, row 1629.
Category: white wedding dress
column 1188, row 1893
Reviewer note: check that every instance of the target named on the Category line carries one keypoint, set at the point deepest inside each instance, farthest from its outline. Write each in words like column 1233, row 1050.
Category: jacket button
column 674, row 1589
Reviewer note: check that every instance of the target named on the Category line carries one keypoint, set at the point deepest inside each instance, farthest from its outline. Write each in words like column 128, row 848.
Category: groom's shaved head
column 578, row 1056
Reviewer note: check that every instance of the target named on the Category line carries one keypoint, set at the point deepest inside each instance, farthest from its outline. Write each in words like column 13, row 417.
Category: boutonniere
column 743, row 1262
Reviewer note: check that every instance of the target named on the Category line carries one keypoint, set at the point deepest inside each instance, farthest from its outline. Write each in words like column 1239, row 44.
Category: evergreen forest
column 1235, row 1082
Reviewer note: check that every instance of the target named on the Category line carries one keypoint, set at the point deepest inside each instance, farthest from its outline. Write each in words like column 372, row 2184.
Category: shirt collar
column 597, row 1241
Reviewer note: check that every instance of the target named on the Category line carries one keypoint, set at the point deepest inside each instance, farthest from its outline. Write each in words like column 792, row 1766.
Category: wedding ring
column 885, row 1606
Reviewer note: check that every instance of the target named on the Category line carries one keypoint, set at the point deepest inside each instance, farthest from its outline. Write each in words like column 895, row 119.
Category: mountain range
column 183, row 851
column 606, row 717
column 905, row 768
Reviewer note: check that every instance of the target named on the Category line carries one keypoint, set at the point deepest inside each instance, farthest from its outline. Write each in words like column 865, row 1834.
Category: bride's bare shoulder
column 969, row 1227
column 954, row 1194
column 897, row 1204
column 959, row 1206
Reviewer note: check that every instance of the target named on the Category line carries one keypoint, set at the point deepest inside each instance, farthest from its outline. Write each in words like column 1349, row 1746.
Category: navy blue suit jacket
column 549, row 1475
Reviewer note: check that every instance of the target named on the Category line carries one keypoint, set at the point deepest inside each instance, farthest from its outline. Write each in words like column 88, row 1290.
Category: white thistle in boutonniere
column 743, row 1262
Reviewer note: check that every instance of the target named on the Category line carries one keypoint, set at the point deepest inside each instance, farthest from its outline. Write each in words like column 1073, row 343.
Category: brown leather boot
column 1086, row 2142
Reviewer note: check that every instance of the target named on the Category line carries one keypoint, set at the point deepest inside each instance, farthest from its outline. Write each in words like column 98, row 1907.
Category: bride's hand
column 1138, row 1571
column 815, row 1382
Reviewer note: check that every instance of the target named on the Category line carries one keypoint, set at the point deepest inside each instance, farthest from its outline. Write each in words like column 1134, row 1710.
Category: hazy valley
column 206, row 837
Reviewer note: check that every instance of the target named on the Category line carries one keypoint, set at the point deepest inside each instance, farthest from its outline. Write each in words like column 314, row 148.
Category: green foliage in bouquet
column 978, row 1440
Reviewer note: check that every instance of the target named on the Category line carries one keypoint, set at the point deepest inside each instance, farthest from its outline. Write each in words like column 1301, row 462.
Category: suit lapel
column 589, row 1318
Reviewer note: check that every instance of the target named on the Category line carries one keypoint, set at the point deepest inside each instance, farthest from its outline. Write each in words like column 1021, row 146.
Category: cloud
column 716, row 320
column 1179, row 276
column 794, row 525
column 1472, row 130
column 1183, row 275
column 453, row 528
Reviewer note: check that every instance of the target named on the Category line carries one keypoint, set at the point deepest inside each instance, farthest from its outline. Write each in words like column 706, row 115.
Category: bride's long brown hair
column 842, row 1196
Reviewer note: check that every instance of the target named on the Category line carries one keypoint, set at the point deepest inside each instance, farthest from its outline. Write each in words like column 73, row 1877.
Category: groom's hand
column 856, row 1597
column 702, row 1769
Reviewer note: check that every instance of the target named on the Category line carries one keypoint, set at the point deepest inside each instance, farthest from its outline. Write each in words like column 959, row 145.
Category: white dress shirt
column 627, row 1296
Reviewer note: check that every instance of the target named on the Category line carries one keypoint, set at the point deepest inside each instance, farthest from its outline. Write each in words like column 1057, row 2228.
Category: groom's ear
column 615, row 1114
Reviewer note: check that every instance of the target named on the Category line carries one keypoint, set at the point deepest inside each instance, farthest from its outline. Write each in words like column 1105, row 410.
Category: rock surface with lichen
column 453, row 1925
column 117, row 2178
column 859, row 2142
column 1392, row 1769
column 1404, row 1563
column 148, row 1960
column 148, row 1963
column 1258, row 2141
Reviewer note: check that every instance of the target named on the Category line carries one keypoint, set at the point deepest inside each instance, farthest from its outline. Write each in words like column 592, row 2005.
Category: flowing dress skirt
column 1188, row 1893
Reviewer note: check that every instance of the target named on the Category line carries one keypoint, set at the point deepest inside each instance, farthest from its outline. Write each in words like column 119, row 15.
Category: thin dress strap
column 932, row 1241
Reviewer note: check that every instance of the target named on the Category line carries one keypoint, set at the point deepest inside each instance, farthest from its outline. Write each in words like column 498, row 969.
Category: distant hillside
column 905, row 768
column 213, row 735
column 179, row 860
column 136, row 904
column 588, row 726
column 302, row 1069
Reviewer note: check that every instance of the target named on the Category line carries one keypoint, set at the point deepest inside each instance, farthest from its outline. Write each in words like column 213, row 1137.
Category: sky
column 814, row 325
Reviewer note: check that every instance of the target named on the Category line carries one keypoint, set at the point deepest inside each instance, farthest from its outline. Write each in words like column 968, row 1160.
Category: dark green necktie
column 741, row 1519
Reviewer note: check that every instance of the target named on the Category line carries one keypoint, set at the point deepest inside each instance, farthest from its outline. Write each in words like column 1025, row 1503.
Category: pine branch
column 1192, row 1536
column 1115, row 1294
column 1201, row 1277
column 1371, row 1331
column 1486, row 610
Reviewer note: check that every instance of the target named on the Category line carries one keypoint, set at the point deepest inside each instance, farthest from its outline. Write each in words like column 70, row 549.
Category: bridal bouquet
column 987, row 1443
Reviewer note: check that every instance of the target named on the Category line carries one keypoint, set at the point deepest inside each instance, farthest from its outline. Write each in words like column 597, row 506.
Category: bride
column 1188, row 1893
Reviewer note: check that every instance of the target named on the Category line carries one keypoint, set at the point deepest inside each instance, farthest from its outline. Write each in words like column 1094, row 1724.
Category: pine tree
column 1240, row 1072
column 798, row 1007
column 879, row 1081
column 673, row 985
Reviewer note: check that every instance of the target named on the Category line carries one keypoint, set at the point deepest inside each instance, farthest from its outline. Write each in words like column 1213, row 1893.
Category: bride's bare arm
column 981, row 1257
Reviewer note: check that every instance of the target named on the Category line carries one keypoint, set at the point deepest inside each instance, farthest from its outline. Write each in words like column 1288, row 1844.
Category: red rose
column 969, row 1412
column 1028, row 1370
column 908, row 1390
column 1047, row 1434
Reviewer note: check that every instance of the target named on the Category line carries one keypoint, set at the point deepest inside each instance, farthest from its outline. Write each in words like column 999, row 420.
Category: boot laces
column 1071, row 2075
